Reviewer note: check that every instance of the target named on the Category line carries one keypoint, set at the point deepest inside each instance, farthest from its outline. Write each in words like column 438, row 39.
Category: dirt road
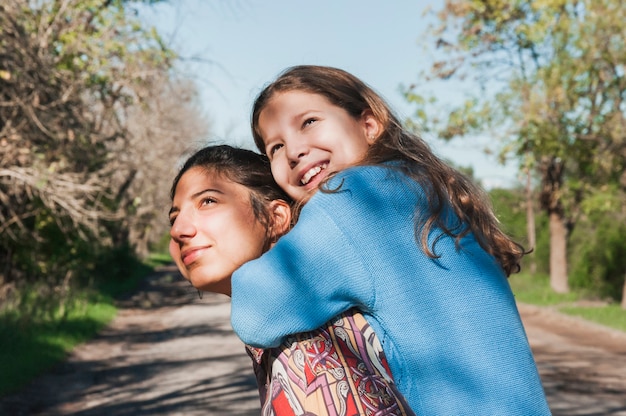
column 170, row 353
column 582, row 365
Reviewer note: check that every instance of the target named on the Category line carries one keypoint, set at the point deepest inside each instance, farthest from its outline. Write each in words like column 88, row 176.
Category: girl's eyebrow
column 306, row 112
column 196, row 195
column 208, row 190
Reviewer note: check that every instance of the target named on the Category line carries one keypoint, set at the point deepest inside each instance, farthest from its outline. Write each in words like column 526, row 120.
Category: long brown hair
column 443, row 185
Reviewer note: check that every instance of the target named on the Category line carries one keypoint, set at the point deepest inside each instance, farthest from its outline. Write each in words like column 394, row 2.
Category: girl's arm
column 311, row 275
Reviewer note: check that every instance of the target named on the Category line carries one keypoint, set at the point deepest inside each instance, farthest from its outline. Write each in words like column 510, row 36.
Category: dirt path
column 170, row 353
column 582, row 365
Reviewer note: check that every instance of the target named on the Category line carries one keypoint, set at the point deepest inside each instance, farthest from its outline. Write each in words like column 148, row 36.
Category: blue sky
column 244, row 44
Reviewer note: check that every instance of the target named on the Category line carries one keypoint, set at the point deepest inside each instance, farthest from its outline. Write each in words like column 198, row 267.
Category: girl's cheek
column 173, row 248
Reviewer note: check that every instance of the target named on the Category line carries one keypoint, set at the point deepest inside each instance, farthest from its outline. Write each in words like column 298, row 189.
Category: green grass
column 611, row 315
column 535, row 290
column 39, row 329
column 158, row 259
column 31, row 345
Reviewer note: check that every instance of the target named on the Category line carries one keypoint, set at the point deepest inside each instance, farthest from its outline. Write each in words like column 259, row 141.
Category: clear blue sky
column 246, row 43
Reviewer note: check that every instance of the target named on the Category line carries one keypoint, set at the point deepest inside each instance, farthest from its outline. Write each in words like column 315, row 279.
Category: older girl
column 226, row 209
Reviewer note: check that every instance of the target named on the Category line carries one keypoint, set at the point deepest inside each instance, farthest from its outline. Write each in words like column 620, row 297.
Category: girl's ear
column 373, row 127
column 281, row 218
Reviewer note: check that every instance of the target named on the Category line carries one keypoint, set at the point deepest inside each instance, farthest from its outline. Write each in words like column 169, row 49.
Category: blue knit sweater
column 449, row 326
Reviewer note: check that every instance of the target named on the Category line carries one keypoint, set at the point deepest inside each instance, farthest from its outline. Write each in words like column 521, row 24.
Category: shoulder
column 362, row 194
column 366, row 183
column 356, row 174
column 378, row 178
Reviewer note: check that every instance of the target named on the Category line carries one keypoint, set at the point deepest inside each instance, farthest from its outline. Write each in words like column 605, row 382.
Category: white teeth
column 312, row 172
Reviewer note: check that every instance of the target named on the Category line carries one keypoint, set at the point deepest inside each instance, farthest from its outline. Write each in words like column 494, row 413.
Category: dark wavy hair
column 241, row 166
column 444, row 185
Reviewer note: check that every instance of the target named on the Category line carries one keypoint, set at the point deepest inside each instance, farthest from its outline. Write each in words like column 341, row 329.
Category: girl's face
column 214, row 229
column 307, row 137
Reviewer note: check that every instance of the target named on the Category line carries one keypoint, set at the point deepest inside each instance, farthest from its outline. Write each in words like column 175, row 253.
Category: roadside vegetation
column 94, row 118
column 543, row 82
column 40, row 327
column 597, row 265
column 535, row 290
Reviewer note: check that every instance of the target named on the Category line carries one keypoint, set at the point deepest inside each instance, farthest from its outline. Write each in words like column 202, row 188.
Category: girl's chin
column 303, row 193
column 214, row 284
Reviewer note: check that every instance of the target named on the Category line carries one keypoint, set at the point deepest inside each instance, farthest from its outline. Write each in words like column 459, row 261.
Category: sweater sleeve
column 311, row 275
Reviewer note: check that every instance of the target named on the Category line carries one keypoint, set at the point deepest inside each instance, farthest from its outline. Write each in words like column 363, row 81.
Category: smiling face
column 307, row 137
column 214, row 229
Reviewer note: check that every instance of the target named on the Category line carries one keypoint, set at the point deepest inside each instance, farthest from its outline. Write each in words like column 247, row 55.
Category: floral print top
column 339, row 369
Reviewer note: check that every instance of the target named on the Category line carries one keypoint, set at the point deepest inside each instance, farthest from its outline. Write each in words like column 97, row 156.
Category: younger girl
column 403, row 237
column 226, row 209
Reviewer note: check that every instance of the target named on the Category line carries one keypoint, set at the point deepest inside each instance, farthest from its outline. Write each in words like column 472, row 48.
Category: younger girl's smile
column 312, row 172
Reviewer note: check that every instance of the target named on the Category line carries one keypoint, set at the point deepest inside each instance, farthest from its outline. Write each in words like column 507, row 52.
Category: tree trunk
column 550, row 197
column 558, row 253
column 530, row 224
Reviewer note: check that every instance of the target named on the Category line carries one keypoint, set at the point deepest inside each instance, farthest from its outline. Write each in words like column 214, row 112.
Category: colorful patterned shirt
column 339, row 369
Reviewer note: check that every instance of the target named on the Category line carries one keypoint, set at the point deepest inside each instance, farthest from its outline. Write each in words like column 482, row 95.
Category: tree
column 75, row 78
column 161, row 132
column 551, row 86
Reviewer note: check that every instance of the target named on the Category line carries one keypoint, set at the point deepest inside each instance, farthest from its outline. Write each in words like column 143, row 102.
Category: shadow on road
column 579, row 383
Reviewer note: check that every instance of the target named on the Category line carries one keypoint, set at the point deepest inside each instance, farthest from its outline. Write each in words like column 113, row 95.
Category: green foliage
column 159, row 259
column 83, row 171
column 510, row 208
column 597, row 244
column 91, row 120
column 70, row 70
column 549, row 85
column 549, row 70
column 598, row 264
column 162, row 245
column 542, row 250
column 610, row 315
column 34, row 343
column 118, row 270
column 535, row 289
column 40, row 324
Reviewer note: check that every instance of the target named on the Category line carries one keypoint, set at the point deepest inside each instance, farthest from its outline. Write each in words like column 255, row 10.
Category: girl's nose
column 295, row 153
column 182, row 228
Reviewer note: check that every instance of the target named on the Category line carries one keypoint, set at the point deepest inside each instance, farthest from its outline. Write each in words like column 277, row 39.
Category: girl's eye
column 172, row 219
column 207, row 201
column 273, row 149
column 308, row 122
